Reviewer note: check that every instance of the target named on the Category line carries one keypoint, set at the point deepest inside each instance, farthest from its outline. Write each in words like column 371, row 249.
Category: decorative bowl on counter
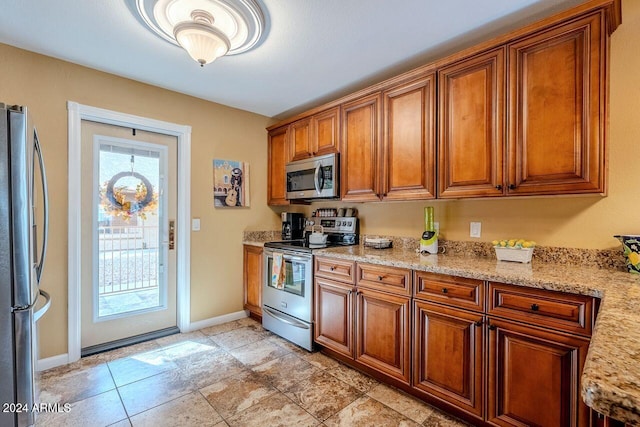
column 515, row 250
column 522, row 255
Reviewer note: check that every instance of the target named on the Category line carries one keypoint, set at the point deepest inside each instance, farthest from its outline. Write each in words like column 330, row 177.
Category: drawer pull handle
column 535, row 307
column 380, row 277
column 445, row 290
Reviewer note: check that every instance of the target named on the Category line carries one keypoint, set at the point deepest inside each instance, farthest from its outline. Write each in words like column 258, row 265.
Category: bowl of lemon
column 514, row 250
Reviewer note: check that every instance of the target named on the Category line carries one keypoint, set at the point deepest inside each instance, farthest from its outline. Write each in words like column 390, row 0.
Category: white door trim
column 77, row 113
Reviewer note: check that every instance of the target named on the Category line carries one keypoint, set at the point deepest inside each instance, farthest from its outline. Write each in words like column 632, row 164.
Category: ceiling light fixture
column 202, row 41
column 206, row 29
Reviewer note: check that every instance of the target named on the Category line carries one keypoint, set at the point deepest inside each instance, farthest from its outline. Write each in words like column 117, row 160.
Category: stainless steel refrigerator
column 22, row 253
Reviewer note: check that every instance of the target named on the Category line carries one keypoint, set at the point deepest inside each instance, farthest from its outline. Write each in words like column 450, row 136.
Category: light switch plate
column 195, row 224
column 475, row 230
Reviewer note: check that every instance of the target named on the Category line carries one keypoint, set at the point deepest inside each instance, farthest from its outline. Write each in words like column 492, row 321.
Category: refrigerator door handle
column 38, row 314
column 45, row 198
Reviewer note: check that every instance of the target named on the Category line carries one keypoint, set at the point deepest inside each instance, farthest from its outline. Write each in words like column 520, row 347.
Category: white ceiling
column 313, row 50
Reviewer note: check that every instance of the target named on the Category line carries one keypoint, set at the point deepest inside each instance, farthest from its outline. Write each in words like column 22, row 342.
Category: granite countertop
column 611, row 376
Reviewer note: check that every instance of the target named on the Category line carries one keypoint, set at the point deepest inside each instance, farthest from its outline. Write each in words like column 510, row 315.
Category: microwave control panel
column 333, row 224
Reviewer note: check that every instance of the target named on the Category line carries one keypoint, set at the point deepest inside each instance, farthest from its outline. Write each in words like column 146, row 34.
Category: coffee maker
column 292, row 226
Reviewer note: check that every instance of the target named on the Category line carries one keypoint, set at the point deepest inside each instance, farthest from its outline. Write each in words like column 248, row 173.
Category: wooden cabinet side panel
column 471, row 135
column 408, row 154
column 530, row 369
column 383, row 333
column 252, row 278
column 448, row 355
column 278, row 156
column 333, row 309
column 557, row 88
column 359, row 153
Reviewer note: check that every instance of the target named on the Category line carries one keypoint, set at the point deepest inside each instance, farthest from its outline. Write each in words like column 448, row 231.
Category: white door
column 129, row 193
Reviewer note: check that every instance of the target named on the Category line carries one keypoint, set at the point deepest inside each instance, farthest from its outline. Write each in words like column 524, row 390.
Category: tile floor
column 234, row 374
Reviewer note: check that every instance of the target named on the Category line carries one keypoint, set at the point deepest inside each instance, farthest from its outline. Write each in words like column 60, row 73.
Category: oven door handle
column 295, row 258
column 283, row 319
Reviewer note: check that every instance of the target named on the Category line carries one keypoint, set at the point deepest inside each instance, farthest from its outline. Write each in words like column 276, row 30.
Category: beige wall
column 578, row 221
column 45, row 84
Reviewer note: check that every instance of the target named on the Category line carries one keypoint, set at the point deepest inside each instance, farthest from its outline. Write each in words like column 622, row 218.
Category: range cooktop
column 303, row 245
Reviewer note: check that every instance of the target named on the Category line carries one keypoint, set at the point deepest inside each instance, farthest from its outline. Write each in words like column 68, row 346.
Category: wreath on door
column 115, row 201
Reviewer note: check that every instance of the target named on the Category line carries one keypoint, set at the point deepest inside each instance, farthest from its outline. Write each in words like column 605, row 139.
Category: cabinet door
column 471, row 139
column 326, row 132
column 359, row 153
column 334, row 316
column 534, row 376
column 300, row 139
column 557, row 110
column 252, row 279
column 448, row 355
column 382, row 331
column 408, row 154
column 278, row 158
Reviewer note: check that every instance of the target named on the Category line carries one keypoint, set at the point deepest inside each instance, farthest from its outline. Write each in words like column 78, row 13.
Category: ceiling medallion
column 206, row 29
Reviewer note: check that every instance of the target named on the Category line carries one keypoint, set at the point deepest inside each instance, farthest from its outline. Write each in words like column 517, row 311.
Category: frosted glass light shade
column 202, row 42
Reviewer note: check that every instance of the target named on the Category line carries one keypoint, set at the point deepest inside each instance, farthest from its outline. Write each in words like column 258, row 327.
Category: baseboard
column 200, row 324
column 52, row 362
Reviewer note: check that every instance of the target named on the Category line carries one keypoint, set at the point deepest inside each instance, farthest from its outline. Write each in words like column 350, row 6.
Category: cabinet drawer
column 457, row 291
column 336, row 269
column 388, row 279
column 566, row 312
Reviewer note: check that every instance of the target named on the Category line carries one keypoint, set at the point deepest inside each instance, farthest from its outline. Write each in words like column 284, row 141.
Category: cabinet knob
column 479, row 322
column 498, row 187
column 445, row 290
column 492, row 327
column 380, row 277
column 332, row 268
column 512, row 186
column 535, row 307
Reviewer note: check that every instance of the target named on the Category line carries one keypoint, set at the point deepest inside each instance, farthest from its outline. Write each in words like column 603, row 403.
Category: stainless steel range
column 287, row 304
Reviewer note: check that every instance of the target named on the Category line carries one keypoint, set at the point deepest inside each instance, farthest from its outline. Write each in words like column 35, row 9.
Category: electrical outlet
column 475, row 230
column 195, row 224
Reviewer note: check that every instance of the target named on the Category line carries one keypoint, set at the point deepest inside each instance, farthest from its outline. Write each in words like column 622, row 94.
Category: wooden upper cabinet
column 557, row 109
column 408, row 148
column 471, row 138
column 278, row 157
column 359, row 167
column 326, row 132
column 315, row 135
column 300, row 139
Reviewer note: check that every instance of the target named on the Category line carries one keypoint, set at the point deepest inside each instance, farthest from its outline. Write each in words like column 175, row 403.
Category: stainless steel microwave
column 314, row 178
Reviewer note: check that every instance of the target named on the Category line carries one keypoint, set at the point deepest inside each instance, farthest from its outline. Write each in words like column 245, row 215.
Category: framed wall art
column 230, row 184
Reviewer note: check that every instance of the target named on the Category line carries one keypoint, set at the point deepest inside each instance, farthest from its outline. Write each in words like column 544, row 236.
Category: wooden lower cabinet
column 448, row 355
column 367, row 326
column 334, row 315
column 599, row 420
column 534, row 376
column 252, row 279
column 383, row 332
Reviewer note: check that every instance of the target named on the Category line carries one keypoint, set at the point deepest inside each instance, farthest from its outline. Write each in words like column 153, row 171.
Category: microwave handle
column 317, row 177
